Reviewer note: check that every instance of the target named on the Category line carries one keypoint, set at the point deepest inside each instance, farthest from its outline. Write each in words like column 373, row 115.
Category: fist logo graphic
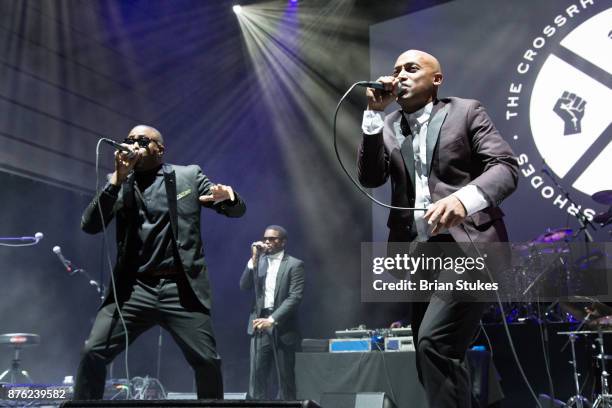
column 570, row 108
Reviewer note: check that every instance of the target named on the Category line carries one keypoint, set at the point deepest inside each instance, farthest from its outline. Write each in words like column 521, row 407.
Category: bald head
column 425, row 59
column 421, row 75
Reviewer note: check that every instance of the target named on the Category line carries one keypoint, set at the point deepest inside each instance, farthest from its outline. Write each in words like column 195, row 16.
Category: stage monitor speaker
column 356, row 400
column 189, row 404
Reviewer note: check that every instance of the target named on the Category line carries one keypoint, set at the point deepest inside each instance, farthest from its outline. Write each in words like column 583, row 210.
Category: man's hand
column 445, row 213
column 262, row 324
column 256, row 249
column 124, row 165
column 218, row 192
column 378, row 99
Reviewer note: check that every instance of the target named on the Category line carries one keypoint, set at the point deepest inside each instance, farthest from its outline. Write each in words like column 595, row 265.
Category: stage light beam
column 237, row 9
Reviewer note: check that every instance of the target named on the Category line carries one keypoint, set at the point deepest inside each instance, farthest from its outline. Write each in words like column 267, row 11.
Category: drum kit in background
column 596, row 321
column 559, row 265
column 549, row 260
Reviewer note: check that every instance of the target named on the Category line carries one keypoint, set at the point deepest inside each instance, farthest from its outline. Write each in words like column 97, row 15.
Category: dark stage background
column 256, row 117
column 75, row 71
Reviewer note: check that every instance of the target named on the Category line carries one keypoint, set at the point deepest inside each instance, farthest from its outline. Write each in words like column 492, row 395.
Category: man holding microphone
column 277, row 280
column 160, row 275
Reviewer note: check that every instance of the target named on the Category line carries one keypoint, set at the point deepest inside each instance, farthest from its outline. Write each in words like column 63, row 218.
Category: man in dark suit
column 160, row 275
column 446, row 155
column 278, row 282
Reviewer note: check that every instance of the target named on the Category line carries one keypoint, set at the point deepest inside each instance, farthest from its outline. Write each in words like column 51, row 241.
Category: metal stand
column 577, row 401
column 604, row 400
column 15, row 375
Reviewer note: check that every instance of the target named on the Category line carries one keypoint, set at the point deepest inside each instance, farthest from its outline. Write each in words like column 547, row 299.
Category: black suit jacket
column 463, row 147
column 287, row 296
column 184, row 184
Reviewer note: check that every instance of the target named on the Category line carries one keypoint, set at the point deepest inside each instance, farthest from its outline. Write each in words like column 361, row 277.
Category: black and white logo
column 565, row 77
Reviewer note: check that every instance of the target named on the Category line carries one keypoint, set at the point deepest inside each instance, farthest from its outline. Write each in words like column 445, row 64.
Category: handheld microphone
column 57, row 250
column 379, row 85
column 130, row 153
column 37, row 237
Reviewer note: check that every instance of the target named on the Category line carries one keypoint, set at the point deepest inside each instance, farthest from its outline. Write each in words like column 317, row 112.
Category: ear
column 438, row 78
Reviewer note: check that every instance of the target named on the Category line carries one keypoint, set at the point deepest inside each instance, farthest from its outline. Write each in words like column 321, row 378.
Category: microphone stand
column 588, row 238
column 159, row 353
column 256, row 333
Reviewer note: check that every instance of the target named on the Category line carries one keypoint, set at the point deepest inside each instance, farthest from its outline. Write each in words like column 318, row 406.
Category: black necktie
column 405, row 127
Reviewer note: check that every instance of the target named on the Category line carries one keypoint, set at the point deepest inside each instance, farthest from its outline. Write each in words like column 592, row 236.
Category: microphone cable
column 355, row 182
column 110, row 266
column 373, row 199
column 35, row 240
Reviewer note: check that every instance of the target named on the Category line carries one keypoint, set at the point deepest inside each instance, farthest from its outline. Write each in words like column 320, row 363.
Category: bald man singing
column 160, row 274
column 443, row 154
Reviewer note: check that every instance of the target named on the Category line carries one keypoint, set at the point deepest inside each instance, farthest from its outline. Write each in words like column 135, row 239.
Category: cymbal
column 603, row 197
column 605, row 321
column 582, row 306
column 555, row 235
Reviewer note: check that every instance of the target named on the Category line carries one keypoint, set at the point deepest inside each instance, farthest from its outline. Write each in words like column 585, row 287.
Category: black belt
column 266, row 312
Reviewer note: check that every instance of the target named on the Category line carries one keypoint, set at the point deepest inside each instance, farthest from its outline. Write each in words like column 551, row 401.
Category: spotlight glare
column 237, row 9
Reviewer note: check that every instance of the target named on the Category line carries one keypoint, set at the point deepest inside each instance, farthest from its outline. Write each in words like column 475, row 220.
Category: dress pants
column 443, row 329
column 169, row 303
column 263, row 366
column 442, row 332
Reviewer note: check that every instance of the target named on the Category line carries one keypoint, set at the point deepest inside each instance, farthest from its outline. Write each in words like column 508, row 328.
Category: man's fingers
column 218, row 192
column 428, row 213
column 435, row 230
column 435, row 215
column 448, row 216
column 444, row 218
column 230, row 192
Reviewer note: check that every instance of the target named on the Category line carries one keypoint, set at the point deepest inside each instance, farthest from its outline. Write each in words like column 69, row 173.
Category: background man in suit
column 160, row 275
column 278, row 282
column 445, row 155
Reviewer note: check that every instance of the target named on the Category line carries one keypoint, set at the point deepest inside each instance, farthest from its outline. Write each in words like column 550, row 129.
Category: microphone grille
column 57, row 249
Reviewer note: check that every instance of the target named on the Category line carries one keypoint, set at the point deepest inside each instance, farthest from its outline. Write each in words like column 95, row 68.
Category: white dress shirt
column 470, row 195
column 274, row 262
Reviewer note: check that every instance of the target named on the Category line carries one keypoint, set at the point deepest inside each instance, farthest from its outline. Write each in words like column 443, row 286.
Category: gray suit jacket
column 184, row 184
column 463, row 147
column 287, row 296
